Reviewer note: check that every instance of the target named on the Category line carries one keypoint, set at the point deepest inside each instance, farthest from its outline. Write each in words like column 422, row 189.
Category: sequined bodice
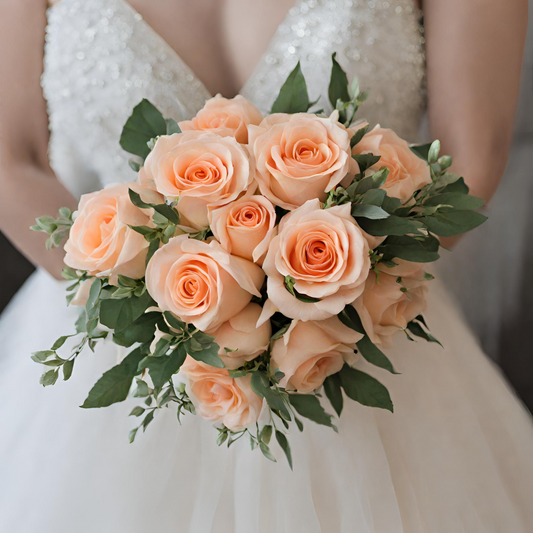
column 101, row 59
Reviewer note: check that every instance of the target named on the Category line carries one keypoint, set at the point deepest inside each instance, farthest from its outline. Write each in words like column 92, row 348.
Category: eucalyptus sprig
column 56, row 228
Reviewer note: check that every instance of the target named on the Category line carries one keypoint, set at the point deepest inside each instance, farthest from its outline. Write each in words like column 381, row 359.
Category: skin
column 474, row 55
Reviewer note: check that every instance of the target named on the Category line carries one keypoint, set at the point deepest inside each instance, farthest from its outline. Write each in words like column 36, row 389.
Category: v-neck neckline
column 140, row 18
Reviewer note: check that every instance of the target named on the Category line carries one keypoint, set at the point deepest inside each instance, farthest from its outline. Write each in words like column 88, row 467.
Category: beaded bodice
column 102, row 58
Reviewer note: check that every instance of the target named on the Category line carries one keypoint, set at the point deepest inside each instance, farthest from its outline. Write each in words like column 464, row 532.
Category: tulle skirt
column 456, row 456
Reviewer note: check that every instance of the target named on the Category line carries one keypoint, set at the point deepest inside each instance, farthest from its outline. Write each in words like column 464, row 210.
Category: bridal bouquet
column 255, row 259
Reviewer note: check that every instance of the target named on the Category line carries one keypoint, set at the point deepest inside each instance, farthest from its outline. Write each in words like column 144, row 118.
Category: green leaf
column 172, row 126
column 358, row 135
column 365, row 161
column 411, row 249
column 152, row 249
column 261, row 386
column 293, row 96
column 265, row 450
column 208, row 354
column 458, row 186
column 163, row 209
column 338, row 85
column 133, row 433
column 134, row 165
column 67, row 369
column 365, row 389
column 281, row 332
column 421, row 150
column 94, row 294
column 163, row 368
column 374, row 197
column 458, row 200
column 145, row 123
column 284, row 444
column 393, row 225
column 142, row 330
column 332, row 388
column 372, row 212
column 448, row 224
column 308, row 406
column 49, row 378
column 137, row 411
column 416, row 329
column 374, row 355
column 115, row 384
column 41, row 355
column 142, row 390
column 266, row 434
column 350, row 317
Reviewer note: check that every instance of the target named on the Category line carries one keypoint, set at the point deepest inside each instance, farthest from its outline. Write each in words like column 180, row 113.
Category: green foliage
column 293, row 96
column 365, row 389
column 289, row 285
column 419, row 328
column 284, row 444
column 144, row 124
column 309, row 406
column 423, row 249
column 56, row 228
column 333, row 390
column 115, row 384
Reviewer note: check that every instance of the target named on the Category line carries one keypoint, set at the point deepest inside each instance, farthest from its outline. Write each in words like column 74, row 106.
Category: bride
column 456, row 456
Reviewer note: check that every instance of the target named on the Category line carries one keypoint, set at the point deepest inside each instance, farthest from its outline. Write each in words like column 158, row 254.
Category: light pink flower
column 245, row 227
column 311, row 351
column 407, row 172
column 326, row 254
column 391, row 300
column 227, row 118
column 300, row 157
column 220, row 398
column 101, row 241
column 201, row 283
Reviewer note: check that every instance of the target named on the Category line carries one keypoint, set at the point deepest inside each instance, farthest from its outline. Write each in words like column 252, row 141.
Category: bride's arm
column 28, row 187
column 474, row 57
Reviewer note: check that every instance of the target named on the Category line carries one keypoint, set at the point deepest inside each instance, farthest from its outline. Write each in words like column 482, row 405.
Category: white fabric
column 454, row 457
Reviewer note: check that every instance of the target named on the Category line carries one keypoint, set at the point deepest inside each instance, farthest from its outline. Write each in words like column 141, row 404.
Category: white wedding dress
column 457, row 454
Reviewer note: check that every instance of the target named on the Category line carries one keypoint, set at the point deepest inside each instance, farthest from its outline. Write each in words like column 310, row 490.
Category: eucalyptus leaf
column 371, row 212
column 449, row 224
column 365, row 161
column 261, row 386
column 393, row 225
column 424, row 250
column 457, row 200
column 207, row 354
column 161, row 369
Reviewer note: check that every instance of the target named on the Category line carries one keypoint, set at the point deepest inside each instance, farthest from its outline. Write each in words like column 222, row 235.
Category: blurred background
column 497, row 304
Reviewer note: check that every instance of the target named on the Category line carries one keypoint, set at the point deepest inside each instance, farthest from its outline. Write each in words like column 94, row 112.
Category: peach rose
column 101, row 241
column 201, row 283
column 392, row 300
column 326, row 254
column 241, row 335
column 201, row 169
column 300, row 157
column 220, row 398
column 245, row 227
column 311, row 351
column 227, row 118
column 407, row 172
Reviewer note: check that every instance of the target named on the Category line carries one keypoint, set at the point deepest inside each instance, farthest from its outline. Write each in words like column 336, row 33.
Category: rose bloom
column 311, row 351
column 241, row 335
column 325, row 252
column 201, row 169
column 407, row 172
column 245, row 227
column 227, row 118
column 101, row 241
column 220, row 398
column 201, row 283
column 300, row 157
column 384, row 308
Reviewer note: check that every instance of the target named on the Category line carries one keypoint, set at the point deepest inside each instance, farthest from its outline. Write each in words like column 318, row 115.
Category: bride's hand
column 28, row 187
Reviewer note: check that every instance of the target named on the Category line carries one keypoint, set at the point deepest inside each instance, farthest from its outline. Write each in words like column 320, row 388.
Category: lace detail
column 379, row 41
column 102, row 58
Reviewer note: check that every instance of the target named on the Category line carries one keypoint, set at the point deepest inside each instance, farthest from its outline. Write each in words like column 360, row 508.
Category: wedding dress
column 456, row 456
